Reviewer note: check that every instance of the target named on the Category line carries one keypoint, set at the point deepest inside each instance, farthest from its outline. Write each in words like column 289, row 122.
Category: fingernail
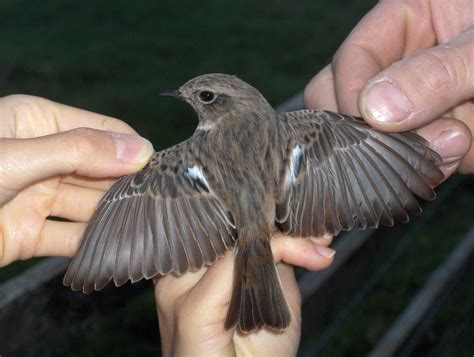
column 451, row 144
column 384, row 103
column 324, row 251
column 132, row 148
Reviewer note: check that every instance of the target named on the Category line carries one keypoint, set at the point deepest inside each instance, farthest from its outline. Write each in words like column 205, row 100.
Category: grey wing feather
column 157, row 221
column 350, row 175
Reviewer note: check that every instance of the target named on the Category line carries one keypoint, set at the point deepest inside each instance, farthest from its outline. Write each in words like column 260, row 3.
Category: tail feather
column 257, row 299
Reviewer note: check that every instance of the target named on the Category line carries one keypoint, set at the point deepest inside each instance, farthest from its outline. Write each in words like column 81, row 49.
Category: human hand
column 408, row 65
column 192, row 308
column 56, row 161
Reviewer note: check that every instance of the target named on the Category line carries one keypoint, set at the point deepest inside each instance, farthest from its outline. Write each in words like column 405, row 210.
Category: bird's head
column 218, row 97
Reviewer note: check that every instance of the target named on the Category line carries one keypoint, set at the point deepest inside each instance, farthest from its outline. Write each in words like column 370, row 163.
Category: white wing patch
column 195, row 173
column 294, row 164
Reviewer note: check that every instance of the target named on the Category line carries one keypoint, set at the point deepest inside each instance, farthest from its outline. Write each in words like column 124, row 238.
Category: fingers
column 217, row 279
column 75, row 203
column 206, row 284
column 420, row 88
column 192, row 309
column 302, row 252
column 268, row 343
column 59, row 239
column 367, row 51
column 465, row 112
column 388, row 71
column 194, row 306
column 72, row 118
column 389, row 32
column 451, row 139
column 326, row 239
column 50, row 117
column 83, row 151
column 319, row 92
column 102, row 184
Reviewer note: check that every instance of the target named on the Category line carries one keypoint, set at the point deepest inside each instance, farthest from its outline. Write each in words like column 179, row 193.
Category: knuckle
column 310, row 93
column 179, row 315
column 106, row 124
column 18, row 98
column 25, row 109
column 180, row 308
column 84, row 141
column 23, row 106
column 317, row 84
column 340, row 55
column 444, row 70
column 161, row 297
column 7, row 154
column 183, row 309
column 112, row 124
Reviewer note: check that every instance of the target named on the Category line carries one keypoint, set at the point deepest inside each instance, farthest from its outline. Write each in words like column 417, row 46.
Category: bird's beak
column 172, row 93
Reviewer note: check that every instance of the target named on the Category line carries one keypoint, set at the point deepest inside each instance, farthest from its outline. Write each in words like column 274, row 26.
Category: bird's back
column 245, row 173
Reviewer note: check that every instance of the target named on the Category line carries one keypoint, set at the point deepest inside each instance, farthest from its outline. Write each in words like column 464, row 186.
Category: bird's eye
column 206, row 96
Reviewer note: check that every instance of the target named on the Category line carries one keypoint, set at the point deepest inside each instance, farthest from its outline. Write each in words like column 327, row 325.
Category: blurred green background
column 114, row 57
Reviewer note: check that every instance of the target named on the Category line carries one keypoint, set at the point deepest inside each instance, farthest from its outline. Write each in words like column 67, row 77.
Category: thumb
column 421, row 88
column 84, row 151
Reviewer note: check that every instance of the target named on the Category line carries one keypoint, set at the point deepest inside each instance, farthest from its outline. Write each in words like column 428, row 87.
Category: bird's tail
column 257, row 299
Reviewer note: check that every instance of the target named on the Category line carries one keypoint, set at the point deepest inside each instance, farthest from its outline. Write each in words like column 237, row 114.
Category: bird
column 246, row 172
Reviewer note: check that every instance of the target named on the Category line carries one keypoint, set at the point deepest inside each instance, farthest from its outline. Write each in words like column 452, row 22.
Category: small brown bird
column 246, row 171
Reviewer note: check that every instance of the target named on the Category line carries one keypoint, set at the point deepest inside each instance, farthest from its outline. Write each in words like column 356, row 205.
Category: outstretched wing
column 163, row 219
column 342, row 174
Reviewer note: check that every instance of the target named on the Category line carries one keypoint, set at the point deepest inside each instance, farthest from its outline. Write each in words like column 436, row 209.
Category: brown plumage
column 246, row 171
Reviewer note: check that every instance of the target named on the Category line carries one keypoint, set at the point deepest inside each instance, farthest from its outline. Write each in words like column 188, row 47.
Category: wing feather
column 354, row 176
column 205, row 244
column 162, row 219
column 150, row 247
column 163, row 257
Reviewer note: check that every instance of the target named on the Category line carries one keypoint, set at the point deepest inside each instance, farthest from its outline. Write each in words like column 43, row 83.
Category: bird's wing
column 163, row 219
column 342, row 174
